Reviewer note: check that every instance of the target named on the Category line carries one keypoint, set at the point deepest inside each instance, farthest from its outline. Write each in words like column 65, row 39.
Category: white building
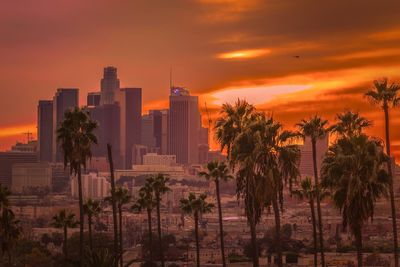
column 155, row 159
column 93, row 186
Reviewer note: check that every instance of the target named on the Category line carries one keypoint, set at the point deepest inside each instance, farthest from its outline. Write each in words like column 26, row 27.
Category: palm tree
column 315, row 128
column 92, row 208
column 216, row 172
column 196, row 206
column 122, row 198
column 275, row 160
column 113, row 203
column 232, row 122
column 10, row 232
column 386, row 96
column 349, row 123
column 159, row 184
column 145, row 201
column 4, row 194
column 307, row 191
column 353, row 170
column 75, row 134
column 64, row 220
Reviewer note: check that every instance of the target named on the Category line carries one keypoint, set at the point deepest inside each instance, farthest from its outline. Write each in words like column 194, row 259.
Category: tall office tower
column 45, row 130
column 64, row 99
column 109, row 86
column 8, row 159
column 93, row 99
column 184, row 124
column 108, row 131
column 160, row 129
column 306, row 159
column 148, row 139
column 130, row 102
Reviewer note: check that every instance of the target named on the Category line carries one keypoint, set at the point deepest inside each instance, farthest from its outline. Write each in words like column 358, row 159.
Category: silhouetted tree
column 76, row 137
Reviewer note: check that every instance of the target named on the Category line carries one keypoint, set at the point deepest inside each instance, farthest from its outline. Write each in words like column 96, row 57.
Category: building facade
column 184, row 125
column 45, row 130
column 28, row 177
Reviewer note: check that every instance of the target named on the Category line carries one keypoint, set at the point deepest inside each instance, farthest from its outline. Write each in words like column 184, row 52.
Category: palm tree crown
column 314, row 128
column 384, row 94
column 63, row 219
column 232, row 121
column 92, row 207
column 349, row 123
column 216, row 171
column 196, row 205
column 76, row 137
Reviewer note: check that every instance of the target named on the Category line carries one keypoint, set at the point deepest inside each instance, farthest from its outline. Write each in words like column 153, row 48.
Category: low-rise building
column 31, row 176
column 93, row 186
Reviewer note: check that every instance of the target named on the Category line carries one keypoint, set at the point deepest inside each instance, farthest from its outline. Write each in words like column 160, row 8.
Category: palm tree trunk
column 358, row 236
column 314, row 226
column 196, row 232
column 81, row 216
column 277, row 231
column 253, row 234
column 90, row 233
column 320, row 226
column 9, row 257
column 65, row 248
column 114, row 205
column 150, row 235
column 391, row 191
column 221, row 227
column 121, row 260
column 159, row 232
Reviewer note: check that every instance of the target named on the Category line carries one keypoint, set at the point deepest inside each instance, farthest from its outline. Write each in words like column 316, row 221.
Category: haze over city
column 199, row 133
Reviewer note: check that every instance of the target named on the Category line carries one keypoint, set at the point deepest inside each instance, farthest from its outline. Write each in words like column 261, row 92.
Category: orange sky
column 219, row 49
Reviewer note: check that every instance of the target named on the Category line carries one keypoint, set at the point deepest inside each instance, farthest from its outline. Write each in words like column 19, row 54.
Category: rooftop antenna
column 170, row 78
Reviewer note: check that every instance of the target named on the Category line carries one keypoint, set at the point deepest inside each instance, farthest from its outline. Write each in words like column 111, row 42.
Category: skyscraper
column 148, row 139
column 118, row 114
column 108, row 131
column 93, row 99
column 109, row 86
column 45, row 130
column 184, row 124
column 130, row 102
column 160, row 129
column 64, row 99
column 306, row 160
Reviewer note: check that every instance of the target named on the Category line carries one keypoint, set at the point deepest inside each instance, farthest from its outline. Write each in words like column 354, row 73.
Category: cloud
column 244, row 54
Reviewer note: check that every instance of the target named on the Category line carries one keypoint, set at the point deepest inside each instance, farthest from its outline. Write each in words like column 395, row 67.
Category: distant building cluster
column 171, row 140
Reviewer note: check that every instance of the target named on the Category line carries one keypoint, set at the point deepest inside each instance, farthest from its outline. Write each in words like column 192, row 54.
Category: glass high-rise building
column 93, row 99
column 45, row 130
column 184, row 125
column 109, row 86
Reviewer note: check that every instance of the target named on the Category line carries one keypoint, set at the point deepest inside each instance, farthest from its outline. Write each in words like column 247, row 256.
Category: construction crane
column 209, row 122
column 28, row 135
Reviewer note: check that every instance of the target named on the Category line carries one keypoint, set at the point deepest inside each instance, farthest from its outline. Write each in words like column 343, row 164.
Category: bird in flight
column 298, row 57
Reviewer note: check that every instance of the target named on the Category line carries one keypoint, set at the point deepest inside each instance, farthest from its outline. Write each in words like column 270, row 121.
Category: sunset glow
column 243, row 54
column 295, row 63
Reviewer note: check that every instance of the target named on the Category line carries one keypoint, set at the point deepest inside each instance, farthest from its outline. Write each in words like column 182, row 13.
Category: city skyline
column 309, row 63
